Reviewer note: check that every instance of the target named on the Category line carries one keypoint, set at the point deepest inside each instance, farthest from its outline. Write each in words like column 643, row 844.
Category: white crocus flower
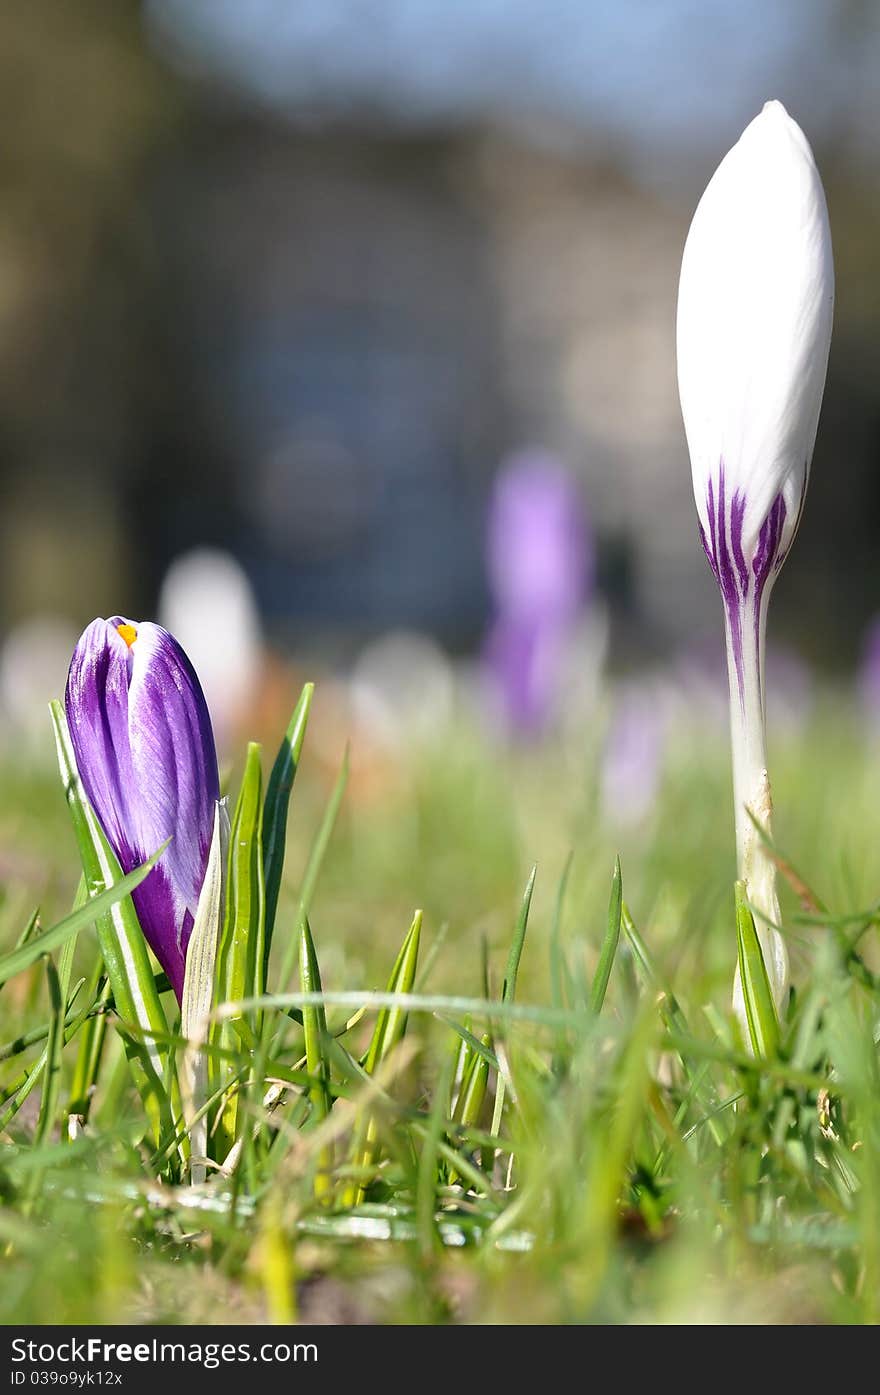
column 755, row 307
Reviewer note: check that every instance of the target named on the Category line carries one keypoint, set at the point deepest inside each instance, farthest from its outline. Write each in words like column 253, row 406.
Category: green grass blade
column 241, row 956
column 609, row 944
column 91, row 1047
column 760, row 1008
column 426, row 1186
column 558, row 968
column 473, row 1094
column 508, row 988
column 315, row 1034
column 476, row 1046
column 313, row 868
column 389, row 1030
column 274, row 827
column 242, row 949
column 52, row 1082
column 198, row 992
column 30, row 928
column 391, row 1023
column 676, row 1022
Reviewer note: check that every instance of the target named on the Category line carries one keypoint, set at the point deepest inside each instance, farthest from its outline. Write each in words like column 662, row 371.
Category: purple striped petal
column 145, row 753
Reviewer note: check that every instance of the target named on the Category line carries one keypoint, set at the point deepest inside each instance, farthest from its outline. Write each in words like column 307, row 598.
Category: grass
column 470, row 1092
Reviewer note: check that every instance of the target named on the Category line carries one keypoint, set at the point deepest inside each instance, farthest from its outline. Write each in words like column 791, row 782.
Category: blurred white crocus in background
column 208, row 604
column 34, row 660
column 754, row 325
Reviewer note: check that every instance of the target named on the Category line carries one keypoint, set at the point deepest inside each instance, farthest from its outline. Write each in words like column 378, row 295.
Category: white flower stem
column 751, row 792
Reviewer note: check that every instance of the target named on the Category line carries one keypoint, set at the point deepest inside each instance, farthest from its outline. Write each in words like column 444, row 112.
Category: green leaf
column 30, row 928
column 198, row 992
column 91, row 1045
column 676, row 1022
column 757, row 995
column 426, row 1185
column 476, row 1046
column 241, row 957
column 610, row 942
column 508, row 988
column 473, row 1093
column 315, row 1034
column 274, row 827
column 52, row 1085
column 313, row 868
column 560, row 976
column 56, row 1035
column 391, row 1023
column 389, row 1030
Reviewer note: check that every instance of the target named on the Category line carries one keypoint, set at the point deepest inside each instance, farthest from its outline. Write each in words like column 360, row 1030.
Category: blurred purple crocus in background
column 632, row 761
column 145, row 753
column 540, row 566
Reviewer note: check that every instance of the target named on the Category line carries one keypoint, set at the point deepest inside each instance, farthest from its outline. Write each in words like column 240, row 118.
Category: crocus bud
column 145, row 753
column 754, row 326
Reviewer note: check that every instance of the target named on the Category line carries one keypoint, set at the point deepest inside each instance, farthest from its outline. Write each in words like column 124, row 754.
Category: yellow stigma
column 128, row 632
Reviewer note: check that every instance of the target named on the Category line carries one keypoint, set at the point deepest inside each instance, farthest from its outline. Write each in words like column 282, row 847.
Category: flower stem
column 745, row 629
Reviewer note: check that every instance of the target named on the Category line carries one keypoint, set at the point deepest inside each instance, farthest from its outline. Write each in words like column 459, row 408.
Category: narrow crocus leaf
column 315, row 1034
column 389, row 1030
column 198, row 992
column 755, row 309
column 609, row 943
column 241, row 957
column 51, row 1081
column 122, row 944
column 312, row 872
column 145, row 752
column 508, row 989
column 91, row 1045
column 55, row 1042
column 274, row 827
column 472, row 1094
column 674, row 1019
column 391, row 1023
column 49, row 1060
column 760, row 1009
column 31, row 928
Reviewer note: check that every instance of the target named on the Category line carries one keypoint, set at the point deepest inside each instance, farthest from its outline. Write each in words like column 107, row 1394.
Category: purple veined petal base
column 741, row 580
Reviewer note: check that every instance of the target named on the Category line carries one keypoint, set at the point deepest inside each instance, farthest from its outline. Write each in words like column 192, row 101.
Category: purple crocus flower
column 540, row 568
column 145, row 753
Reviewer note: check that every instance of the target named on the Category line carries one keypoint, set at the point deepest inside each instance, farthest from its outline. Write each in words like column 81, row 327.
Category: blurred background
column 298, row 282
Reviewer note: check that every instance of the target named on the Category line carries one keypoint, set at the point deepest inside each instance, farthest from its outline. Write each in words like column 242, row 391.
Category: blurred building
column 290, row 292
